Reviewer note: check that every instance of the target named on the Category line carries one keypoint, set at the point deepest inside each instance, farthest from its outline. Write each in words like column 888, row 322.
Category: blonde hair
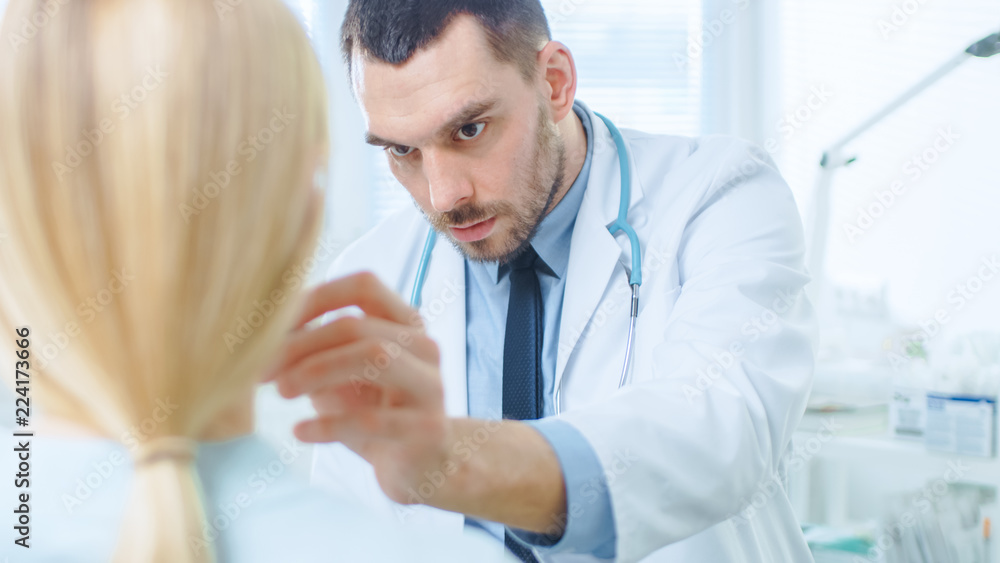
column 156, row 189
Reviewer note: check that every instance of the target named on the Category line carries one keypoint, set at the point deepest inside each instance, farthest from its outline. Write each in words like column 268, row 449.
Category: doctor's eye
column 401, row 150
column 471, row 131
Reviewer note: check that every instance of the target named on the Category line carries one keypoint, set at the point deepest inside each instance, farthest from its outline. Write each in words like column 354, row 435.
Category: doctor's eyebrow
column 468, row 114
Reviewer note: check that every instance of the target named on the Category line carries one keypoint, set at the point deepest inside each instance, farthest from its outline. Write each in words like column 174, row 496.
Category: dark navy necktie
column 522, row 356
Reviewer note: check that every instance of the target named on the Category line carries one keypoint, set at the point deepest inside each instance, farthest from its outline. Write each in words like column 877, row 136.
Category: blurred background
column 905, row 245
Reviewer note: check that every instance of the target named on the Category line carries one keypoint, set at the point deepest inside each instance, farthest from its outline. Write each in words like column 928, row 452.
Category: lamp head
column 986, row 47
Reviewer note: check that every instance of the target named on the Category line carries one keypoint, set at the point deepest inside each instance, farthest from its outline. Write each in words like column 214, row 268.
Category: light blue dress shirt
column 590, row 527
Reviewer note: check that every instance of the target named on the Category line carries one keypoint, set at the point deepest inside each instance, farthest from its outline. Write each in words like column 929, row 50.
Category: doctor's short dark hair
column 393, row 30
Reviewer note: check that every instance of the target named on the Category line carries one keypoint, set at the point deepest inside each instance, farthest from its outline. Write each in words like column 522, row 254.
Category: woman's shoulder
column 290, row 519
column 258, row 508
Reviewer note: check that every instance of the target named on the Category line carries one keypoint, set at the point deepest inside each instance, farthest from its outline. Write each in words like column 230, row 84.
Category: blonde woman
column 157, row 160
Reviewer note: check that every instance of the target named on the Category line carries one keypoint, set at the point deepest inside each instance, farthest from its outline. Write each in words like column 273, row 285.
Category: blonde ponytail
column 164, row 517
column 126, row 180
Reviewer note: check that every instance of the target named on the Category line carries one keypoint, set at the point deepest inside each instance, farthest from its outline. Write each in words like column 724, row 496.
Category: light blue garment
column 258, row 509
column 590, row 527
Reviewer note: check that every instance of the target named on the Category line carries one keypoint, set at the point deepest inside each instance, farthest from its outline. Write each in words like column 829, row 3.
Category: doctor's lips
column 471, row 232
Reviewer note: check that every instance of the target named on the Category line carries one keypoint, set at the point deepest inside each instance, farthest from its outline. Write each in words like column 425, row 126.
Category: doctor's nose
column 447, row 183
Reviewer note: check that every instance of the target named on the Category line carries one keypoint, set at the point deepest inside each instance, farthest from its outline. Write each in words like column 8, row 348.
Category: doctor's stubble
column 530, row 200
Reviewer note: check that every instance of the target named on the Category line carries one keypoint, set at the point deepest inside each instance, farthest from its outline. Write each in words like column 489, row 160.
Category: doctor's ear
column 557, row 71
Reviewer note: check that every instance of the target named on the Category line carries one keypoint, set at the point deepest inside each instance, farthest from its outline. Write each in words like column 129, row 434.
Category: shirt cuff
column 590, row 525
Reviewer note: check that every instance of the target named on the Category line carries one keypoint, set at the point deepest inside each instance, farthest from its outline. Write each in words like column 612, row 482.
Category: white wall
column 934, row 235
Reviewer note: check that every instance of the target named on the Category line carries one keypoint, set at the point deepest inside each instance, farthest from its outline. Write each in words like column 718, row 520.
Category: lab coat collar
column 555, row 232
column 595, row 254
column 442, row 307
column 605, row 174
column 443, row 310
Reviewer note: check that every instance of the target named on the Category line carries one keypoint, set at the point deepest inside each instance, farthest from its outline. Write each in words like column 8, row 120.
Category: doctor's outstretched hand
column 376, row 385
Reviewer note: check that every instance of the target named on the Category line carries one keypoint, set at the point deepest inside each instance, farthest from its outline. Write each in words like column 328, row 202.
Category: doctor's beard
column 542, row 179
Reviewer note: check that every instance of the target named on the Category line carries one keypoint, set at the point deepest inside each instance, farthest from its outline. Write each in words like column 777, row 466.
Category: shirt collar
column 552, row 240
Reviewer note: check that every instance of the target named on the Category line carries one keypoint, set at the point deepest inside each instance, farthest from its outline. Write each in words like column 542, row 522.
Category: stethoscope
column 619, row 224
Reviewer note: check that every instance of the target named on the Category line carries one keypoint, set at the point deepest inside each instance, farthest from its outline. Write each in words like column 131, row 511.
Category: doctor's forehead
column 408, row 102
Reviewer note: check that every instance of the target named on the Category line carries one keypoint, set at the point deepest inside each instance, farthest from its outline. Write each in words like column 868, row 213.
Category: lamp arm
column 833, row 157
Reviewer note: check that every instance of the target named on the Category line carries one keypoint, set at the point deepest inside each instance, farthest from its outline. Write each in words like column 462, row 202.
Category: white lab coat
column 690, row 463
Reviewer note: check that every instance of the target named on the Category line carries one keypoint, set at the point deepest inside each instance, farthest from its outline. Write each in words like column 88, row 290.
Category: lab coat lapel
column 594, row 253
column 442, row 306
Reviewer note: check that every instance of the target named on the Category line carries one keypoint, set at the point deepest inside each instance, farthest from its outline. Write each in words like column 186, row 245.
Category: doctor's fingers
column 362, row 290
column 347, row 399
column 366, row 362
column 359, row 430
column 304, row 343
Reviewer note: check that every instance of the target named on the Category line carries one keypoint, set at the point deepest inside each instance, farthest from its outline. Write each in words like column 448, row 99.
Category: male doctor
column 499, row 405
